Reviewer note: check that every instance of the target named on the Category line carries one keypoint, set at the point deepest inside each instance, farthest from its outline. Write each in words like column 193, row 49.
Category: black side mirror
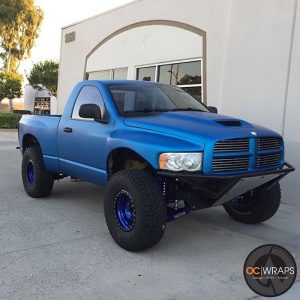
column 90, row 111
column 213, row 109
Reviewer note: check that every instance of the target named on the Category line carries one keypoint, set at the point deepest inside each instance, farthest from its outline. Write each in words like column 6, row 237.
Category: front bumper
column 205, row 191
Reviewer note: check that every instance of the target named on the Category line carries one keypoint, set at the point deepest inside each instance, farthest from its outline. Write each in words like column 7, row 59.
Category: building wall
column 290, row 185
column 252, row 57
column 146, row 45
column 256, row 61
column 206, row 15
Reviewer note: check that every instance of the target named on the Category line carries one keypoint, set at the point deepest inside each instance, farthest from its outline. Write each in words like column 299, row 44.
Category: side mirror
column 90, row 111
column 213, row 109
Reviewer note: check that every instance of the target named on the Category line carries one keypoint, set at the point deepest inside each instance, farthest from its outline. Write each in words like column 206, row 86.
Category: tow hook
column 173, row 214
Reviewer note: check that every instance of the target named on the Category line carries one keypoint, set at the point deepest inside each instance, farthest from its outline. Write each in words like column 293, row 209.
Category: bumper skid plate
column 217, row 190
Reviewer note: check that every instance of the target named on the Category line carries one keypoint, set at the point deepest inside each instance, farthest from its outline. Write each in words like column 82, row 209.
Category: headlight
column 181, row 161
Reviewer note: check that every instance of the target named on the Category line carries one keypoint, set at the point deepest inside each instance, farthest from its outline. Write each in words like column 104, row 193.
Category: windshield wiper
column 145, row 110
column 151, row 110
column 187, row 109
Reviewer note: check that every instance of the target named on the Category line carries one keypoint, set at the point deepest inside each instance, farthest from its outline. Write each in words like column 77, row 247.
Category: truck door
column 82, row 142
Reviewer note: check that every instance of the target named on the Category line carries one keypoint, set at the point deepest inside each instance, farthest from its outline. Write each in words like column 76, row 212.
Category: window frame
column 104, row 121
column 157, row 65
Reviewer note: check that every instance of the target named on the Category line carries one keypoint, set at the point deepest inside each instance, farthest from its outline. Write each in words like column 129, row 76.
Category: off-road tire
column 150, row 210
column 266, row 205
column 43, row 180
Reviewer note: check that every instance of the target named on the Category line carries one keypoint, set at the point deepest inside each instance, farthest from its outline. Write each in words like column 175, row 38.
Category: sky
column 57, row 14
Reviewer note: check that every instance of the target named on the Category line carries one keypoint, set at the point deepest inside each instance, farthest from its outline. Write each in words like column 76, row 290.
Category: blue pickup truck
column 159, row 152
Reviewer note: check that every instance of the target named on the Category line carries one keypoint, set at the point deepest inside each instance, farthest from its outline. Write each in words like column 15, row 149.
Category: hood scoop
column 230, row 123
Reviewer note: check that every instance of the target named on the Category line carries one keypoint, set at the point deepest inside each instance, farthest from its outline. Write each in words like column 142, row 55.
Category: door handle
column 68, row 129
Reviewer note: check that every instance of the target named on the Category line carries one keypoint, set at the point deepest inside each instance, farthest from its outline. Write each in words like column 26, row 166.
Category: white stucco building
column 242, row 56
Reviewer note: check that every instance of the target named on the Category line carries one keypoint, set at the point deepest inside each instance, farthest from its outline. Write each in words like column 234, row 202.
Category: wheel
column 134, row 209
column 256, row 206
column 37, row 181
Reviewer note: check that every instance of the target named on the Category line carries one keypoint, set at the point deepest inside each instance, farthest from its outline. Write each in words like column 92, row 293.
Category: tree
column 10, row 87
column 18, row 37
column 45, row 74
column 189, row 79
column 9, row 10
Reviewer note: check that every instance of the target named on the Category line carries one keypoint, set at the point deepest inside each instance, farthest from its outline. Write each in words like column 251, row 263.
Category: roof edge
column 101, row 14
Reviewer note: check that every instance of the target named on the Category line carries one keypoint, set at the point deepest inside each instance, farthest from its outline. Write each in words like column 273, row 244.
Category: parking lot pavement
column 59, row 247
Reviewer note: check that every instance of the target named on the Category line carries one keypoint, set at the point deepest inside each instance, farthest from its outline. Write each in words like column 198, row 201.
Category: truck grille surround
column 247, row 154
column 268, row 143
column 232, row 145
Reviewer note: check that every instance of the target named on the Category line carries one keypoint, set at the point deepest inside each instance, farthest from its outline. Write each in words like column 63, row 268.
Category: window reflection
column 146, row 74
column 100, row 75
column 194, row 91
column 115, row 74
column 186, row 75
column 180, row 73
column 120, row 74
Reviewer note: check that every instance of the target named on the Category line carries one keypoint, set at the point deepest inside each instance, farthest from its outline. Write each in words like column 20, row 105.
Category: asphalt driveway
column 59, row 247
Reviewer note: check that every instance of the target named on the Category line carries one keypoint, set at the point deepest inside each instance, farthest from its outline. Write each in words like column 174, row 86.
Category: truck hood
column 200, row 126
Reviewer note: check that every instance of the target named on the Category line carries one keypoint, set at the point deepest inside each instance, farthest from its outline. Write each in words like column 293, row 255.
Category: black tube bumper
column 217, row 190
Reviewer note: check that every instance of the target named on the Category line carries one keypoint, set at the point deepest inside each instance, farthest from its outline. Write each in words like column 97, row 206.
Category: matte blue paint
column 84, row 152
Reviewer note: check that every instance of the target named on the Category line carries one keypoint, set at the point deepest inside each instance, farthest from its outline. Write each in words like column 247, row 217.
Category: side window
column 89, row 95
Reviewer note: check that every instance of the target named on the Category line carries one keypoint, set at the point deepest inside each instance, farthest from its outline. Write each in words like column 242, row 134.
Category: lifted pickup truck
column 160, row 153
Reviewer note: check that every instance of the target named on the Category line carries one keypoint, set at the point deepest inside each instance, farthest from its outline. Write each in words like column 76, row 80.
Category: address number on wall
column 70, row 37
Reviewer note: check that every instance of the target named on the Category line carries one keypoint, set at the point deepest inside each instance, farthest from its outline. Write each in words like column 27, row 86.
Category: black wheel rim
column 245, row 203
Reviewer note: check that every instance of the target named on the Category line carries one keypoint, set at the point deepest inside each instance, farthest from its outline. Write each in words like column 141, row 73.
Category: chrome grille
column 268, row 160
column 232, row 145
column 266, row 143
column 221, row 164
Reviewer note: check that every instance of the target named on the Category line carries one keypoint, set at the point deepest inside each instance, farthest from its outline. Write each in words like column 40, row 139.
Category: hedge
column 9, row 120
column 22, row 112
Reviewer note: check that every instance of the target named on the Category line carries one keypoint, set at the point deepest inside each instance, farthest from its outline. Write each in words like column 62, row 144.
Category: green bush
column 22, row 112
column 9, row 120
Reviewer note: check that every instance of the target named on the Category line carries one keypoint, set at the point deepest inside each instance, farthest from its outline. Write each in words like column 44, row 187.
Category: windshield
column 139, row 98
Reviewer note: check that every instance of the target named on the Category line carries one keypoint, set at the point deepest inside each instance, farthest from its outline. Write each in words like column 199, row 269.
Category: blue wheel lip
column 124, row 211
column 30, row 172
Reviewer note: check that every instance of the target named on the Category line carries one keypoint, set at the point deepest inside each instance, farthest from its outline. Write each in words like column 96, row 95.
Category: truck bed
column 44, row 129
